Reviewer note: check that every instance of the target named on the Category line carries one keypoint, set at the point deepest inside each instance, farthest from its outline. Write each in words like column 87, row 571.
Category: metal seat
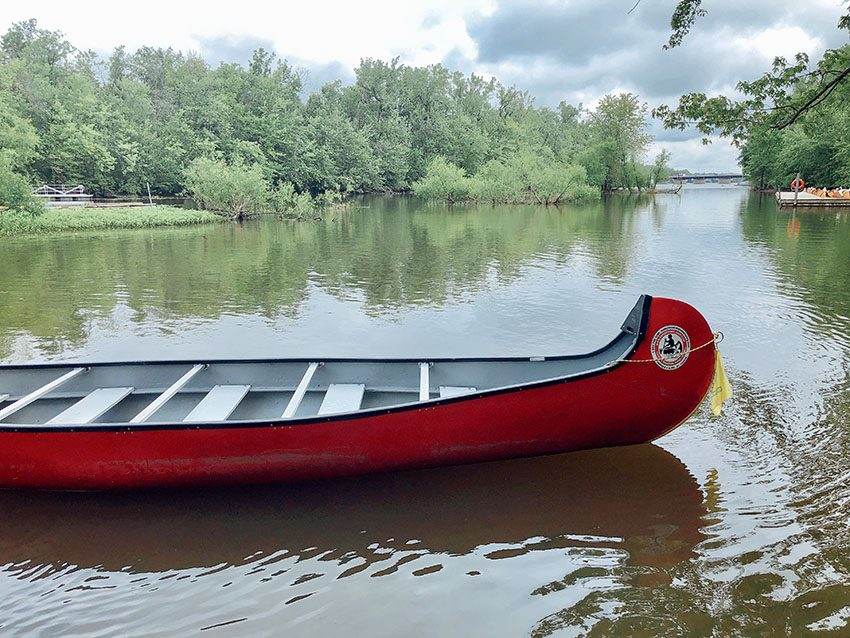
column 218, row 404
column 92, row 406
column 453, row 391
column 44, row 390
column 163, row 398
column 342, row 397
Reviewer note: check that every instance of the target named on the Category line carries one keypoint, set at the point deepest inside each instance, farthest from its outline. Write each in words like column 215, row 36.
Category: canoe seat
column 166, row 395
column 342, row 397
column 44, row 390
column 218, row 404
column 92, row 406
column 453, row 391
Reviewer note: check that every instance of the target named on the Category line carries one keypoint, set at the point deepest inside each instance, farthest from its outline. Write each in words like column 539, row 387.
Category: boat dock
column 54, row 195
column 786, row 198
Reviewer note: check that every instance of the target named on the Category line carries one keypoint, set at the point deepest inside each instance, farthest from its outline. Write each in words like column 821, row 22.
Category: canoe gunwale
column 643, row 307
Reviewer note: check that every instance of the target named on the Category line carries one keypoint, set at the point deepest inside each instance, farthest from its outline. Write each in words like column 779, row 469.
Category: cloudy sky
column 574, row 50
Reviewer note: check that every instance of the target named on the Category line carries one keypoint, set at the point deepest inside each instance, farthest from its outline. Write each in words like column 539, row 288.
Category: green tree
column 660, row 169
column 15, row 190
column 144, row 117
column 618, row 141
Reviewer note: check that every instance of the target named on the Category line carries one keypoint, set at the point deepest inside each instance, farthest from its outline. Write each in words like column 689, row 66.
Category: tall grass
column 13, row 222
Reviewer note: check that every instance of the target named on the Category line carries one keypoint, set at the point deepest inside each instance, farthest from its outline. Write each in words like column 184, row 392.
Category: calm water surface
column 736, row 525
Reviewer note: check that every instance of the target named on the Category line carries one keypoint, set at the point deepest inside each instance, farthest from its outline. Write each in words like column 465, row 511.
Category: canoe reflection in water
column 641, row 494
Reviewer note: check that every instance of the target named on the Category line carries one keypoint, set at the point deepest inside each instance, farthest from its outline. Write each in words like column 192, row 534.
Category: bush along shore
column 223, row 191
column 239, row 190
column 51, row 220
column 523, row 178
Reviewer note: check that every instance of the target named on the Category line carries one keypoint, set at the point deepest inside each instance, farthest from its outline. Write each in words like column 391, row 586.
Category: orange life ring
column 798, row 184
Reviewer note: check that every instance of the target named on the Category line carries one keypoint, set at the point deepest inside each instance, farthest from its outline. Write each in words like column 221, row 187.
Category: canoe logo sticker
column 670, row 347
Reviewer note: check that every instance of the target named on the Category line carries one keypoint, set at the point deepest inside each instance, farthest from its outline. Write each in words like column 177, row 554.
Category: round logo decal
column 670, row 347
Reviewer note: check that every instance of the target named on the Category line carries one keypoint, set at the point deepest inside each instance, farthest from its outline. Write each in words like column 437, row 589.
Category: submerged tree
column 618, row 141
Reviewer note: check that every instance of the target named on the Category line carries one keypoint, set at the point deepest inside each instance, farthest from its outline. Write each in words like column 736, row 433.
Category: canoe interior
column 126, row 390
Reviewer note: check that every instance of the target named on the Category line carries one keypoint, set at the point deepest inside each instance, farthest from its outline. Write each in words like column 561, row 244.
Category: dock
column 786, row 198
column 63, row 195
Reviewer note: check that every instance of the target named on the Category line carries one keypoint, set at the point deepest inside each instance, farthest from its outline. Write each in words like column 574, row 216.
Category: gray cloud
column 222, row 49
column 661, row 134
column 317, row 74
column 573, row 33
column 581, row 49
column 587, row 47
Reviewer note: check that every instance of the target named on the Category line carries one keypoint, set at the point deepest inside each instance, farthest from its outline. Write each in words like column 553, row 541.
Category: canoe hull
column 633, row 402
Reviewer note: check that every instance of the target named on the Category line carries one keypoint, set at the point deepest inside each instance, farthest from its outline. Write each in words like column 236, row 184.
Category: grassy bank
column 70, row 219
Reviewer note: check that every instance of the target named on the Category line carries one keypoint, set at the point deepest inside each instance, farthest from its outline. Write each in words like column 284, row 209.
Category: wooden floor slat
column 424, row 381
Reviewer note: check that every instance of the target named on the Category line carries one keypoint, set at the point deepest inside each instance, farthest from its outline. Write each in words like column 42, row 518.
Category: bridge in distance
column 708, row 178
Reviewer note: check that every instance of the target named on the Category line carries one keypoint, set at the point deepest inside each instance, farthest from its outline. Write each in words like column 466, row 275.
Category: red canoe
column 173, row 423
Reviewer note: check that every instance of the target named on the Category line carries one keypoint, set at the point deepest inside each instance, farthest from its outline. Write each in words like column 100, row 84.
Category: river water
column 736, row 525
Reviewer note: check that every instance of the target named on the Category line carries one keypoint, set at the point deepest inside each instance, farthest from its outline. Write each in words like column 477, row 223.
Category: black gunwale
column 644, row 302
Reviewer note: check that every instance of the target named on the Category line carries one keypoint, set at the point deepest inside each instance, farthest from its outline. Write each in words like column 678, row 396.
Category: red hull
column 633, row 402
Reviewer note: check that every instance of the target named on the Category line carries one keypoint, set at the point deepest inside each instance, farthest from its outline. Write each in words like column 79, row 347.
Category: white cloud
column 719, row 156
column 779, row 41
column 321, row 30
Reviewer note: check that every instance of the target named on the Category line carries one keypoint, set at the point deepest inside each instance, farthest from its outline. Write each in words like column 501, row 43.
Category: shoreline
column 57, row 220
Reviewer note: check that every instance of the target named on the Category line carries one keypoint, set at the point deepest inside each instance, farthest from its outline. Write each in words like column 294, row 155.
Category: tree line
column 134, row 119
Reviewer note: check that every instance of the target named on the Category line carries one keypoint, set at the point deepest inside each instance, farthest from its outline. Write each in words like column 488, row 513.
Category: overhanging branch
column 813, row 101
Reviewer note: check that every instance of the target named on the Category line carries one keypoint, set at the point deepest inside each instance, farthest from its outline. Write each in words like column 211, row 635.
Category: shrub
column 15, row 190
column 528, row 178
column 303, row 207
column 443, row 181
column 557, row 182
column 287, row 203
column 238, row 189
column 494, row 183
column 283, row 198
